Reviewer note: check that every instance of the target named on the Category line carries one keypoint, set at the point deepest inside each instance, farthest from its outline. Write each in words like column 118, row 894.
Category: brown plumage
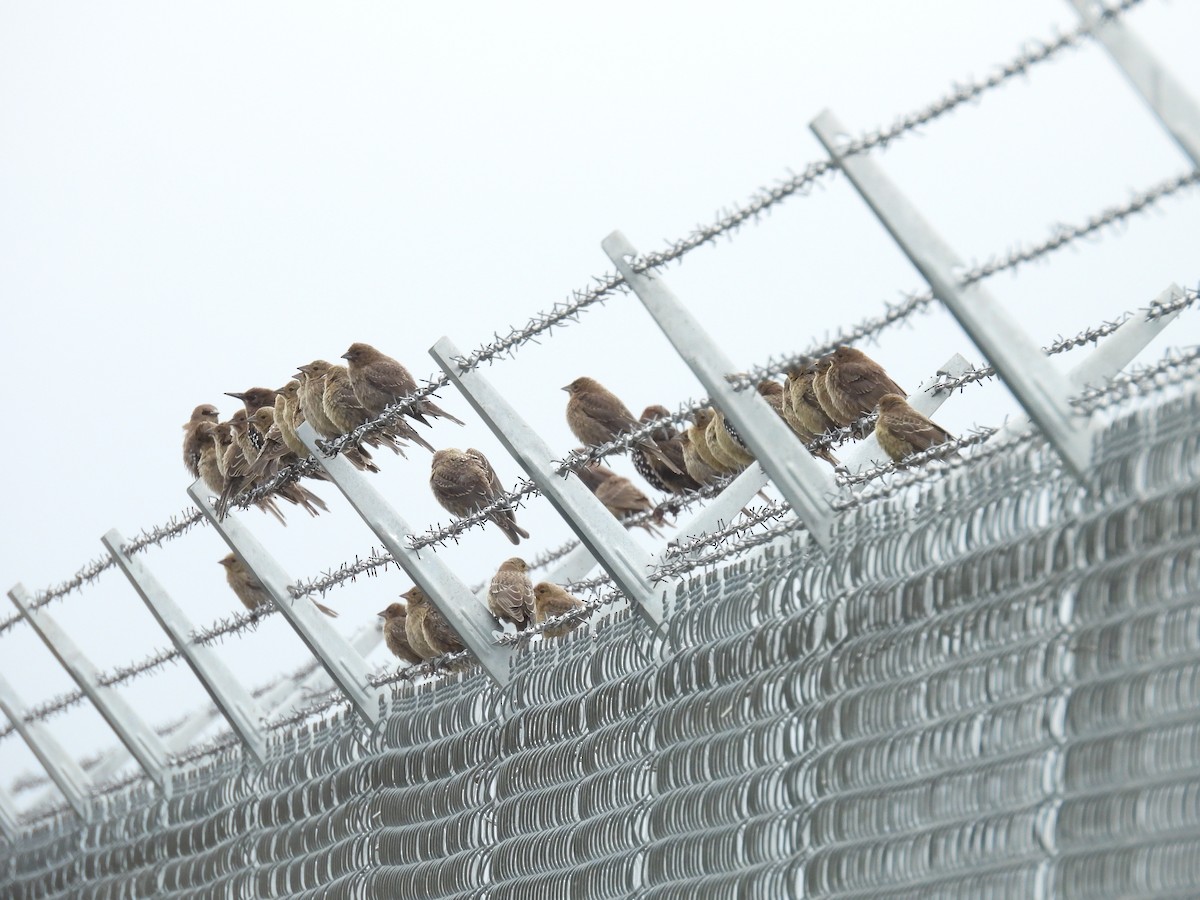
column 254, row 398
column 464, row 481
column 194, row 440
column 855, row 383
column 596, row 415
column 802, row 409
column 902, row 431
column 620, row 496
column 288, row 418
column 698, row 470
column 437, row 636
column 311, row 399
column 820, row 388
column 395, row 633
column 550, row 600
column 250, row 590
column 721, row 445
column 510, row 594
column 379, row 381
column 346, row 413
column 651, row 468
column 274, row 455
column 698, row 434
column 213, row 469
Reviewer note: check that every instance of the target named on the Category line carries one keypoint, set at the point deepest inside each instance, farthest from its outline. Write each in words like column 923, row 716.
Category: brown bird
column 254, row 399
column 379, row 381
column 213, row 469
column 698, row 470
column 436, row 636
column 346, row 413
column 274, row 455
column 596, row 415
column 550, row 600
column 668, row 440
column 855, row 383
column 208, row 465
column 250, row 590
column 464, row 481
column 723, row 448
column 802, row 409
column 310, row 397
column 698, row 434
column 288, row 418
column 620, row 496
column 902, row 431
column 820, row 370
column 193, row 439
column 395, row 633
column 510, row 594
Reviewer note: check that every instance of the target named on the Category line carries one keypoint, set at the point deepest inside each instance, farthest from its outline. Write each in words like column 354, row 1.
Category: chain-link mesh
column 989, row 686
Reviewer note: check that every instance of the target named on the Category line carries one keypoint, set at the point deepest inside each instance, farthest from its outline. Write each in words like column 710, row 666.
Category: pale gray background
column 198, row 197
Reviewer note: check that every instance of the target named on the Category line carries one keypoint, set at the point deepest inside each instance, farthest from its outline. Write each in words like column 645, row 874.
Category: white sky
column 197, row 198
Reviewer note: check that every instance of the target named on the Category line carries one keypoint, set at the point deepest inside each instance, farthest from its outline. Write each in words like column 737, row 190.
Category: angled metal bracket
column 146, row 746
column 10, row 824
column 1163, row 93
column 1038, row 386
column 59, row 765
column 231, row 698
column 805, row 483
column 346, row 667
column 469, row 619
column 597, row 529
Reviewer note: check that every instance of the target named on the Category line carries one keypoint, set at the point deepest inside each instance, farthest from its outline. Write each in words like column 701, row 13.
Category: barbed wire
column 234, row 624
column 1175, row 367
column 1157, row 308
column 972, row 438
column 155, row 660
column 369, row 566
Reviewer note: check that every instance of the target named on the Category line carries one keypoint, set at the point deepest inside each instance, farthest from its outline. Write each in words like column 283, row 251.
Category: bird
column 346, row 413
column 550, row 600
column 395, row 633
column 222, row 471
column 254, row 399
column 723, row 447
column 820, row 370
column 902, row 431
column 310, row 397
column 801, row 408
column 657, row 475
column 464, row 481
column 379, row 381
column 510, row 593
column 273, row 456
column 596, row 415
column 698, row 434
column 698, row 470
column 193, row 439
column 207, row 464
column 436, row 635
column 288, row 418
column 250, row 590
column 620, row 496
column 855, row 383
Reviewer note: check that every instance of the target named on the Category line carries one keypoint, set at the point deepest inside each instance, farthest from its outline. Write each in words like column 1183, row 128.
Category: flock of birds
column 257, row 441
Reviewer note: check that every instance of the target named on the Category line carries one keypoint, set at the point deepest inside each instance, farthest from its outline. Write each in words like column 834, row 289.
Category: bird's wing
column 918, row 430
column 608, row 411
column 509, row 594
column 456, row 484
column 489, row 474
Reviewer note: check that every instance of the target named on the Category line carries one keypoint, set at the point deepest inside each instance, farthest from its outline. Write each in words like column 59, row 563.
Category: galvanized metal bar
column 597, row 529
column 231, row 698
column 59, row 765
column 10, row 824
column 347, row 668
column 469, row 619
column 867, row 451
column 1164, row 94
column 138, row 737
column 804, row 482
column 1038, row 386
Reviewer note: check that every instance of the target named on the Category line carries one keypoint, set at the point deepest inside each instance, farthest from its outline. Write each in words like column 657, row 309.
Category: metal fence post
column 463, row 612
column 59, row 765
column 804, row 482
column 9, row 822
column 231, row 698
column 597, row 529
column 1163, row 93
column 346, row 667
column 146, row 746
column 1038, row 386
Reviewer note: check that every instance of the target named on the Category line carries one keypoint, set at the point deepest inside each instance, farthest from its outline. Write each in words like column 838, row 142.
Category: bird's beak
column 344, row 356
column 567, row 389
column 382, row 615
column 236, row 396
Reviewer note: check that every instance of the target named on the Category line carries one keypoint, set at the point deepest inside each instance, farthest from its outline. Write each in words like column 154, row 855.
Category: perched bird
column 596, row 415
column 208, row 466
column 464, row 481
column 254, row 399
column 820, row 370
column 275, row 454
column 436, row 636
column 379, row 381
column 902, row 431
column 721, row 445
column 311, row 399
column 550, row 600
column 802, row 409
column 395, row 633
column 510, row 594
column 214, row 469
column 193, row 439
column 855, row 383
column 698, row 434
column 344, row 410
column 668, row 440
column 288, row 417
column 698, row 470
column 250, row 590
column 620, row 496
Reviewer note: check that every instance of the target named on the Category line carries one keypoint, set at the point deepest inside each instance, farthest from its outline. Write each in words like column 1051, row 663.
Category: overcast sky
column 198, row 198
